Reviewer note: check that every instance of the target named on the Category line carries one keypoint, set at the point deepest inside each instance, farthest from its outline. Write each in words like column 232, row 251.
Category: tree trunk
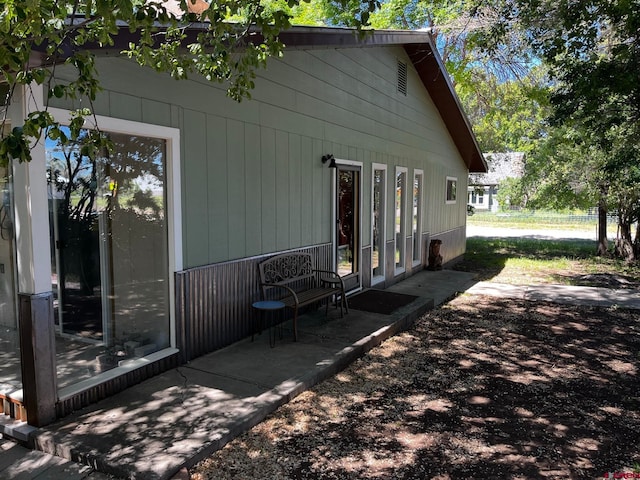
column 603, row 244
column 624, row 244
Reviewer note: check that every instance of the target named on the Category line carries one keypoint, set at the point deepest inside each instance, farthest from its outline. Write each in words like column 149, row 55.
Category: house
column 483, row 186
column 116, row 270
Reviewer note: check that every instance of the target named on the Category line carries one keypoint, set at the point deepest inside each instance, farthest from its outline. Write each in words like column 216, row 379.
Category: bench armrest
column 290, row 291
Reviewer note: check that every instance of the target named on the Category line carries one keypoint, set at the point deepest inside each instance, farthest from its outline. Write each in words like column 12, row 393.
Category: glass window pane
column 109, row 253
column 416, row 216
column 451, row 189
column 347, row 221
column 10, row 372
column 400, row 216
column 377, row 254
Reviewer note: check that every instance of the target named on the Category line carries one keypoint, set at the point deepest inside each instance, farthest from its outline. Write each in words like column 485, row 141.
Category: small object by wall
column 435, row 259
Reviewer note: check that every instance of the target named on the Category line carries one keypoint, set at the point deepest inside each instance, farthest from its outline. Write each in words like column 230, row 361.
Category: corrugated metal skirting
column 115, row 385
column 214, row 302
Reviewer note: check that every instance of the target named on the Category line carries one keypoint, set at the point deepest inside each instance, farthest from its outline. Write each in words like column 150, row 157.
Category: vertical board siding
column 252, row 179
column 269, row 188
column 295, row 192
column 236, row 179
column 215, row 302
column 283, row 201
column 217, row 199
column 307, row 161
column 195, row 180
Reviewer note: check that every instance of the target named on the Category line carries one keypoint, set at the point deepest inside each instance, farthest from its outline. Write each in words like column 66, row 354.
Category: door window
column 400, row 218
column 416, row 218
column 378, row 222
column 348, row 240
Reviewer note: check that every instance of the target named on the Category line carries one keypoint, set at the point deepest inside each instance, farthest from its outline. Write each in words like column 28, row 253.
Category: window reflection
column 109, row 253
column 10, row 371
column 400, row 217
column 377, row 254
column 416, row 216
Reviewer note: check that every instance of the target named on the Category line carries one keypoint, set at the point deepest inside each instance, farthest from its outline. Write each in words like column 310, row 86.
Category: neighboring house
column 144, row 260
column 483, row 187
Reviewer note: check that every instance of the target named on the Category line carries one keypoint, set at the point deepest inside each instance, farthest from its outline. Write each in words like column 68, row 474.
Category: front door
column 348, row 225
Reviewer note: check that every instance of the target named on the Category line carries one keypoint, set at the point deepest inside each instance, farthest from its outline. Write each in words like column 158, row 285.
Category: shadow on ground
column 479, row 388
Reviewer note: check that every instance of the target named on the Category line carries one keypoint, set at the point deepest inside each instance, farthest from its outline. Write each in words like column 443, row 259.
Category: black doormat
column 379, row 301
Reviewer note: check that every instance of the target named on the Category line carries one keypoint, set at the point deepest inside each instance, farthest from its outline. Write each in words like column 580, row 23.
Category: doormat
column 379, row 301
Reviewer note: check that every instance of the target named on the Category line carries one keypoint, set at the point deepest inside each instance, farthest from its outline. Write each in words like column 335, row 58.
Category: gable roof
column 419, row 46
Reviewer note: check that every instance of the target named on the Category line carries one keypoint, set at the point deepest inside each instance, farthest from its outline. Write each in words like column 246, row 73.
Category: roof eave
column 418, row 45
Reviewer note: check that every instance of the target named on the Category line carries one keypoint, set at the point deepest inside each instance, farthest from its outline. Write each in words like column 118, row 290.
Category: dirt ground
column 480, row 388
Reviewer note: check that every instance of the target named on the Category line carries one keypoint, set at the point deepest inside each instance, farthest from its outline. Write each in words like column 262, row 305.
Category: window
column 400, row 218
column 115, row 238
column 452, row 184
column 110, row 242
column 378, row 207
column 416, row 221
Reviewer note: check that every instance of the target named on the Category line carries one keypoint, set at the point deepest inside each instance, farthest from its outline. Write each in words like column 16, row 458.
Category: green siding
column 306, row 188
column 236, row 206
column 125, row 106
column 195, row 180
column 319, row 194
column 295, row 191
column 217, row 221
column 269, row 189
column 252, row 179
column 282, row 191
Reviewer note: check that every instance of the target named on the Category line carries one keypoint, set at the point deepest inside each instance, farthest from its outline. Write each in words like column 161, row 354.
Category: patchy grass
column 524, row 261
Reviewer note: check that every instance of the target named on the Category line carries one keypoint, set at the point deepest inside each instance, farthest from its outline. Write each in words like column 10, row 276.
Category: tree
column 502, row 88
column 593, row 50
column 509, row 115
column 240, row 36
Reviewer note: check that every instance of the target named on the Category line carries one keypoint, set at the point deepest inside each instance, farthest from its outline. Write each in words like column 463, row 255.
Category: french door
column 348, row 238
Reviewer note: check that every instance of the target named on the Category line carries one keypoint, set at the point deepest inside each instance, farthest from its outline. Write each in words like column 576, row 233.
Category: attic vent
column 402, row 77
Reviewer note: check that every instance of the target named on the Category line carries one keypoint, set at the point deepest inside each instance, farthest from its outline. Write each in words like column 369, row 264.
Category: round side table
column 267, row 307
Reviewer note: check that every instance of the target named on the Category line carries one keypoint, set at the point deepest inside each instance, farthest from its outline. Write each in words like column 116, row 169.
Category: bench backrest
column 286, row 268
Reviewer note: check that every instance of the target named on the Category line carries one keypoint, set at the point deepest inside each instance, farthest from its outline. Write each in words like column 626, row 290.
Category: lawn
column 524, row 261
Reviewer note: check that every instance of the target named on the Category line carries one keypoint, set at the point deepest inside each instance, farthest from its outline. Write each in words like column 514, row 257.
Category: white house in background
column 483, row 187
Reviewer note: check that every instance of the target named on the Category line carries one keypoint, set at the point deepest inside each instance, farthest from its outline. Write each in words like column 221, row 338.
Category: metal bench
column 297, row 283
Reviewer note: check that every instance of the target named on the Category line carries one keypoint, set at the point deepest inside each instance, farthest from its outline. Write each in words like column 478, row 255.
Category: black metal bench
column 298, row 284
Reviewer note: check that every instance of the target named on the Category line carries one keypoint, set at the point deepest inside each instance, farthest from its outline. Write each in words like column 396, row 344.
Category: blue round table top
column 268, row 305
